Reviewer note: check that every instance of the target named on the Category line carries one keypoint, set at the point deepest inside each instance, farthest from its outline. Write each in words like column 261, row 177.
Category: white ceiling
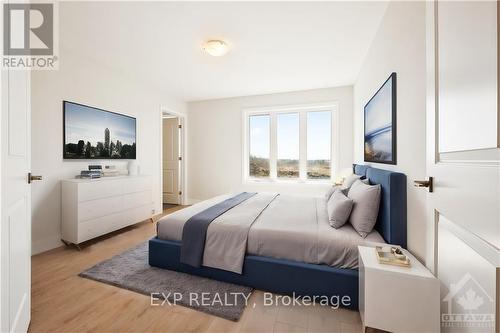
column 275, row 46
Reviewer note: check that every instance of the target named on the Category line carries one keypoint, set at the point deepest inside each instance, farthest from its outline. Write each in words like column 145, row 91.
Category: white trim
column 3, row 306
column 168, row 116
column 273, row 146
column 302, row 110
column 295, row 107
column 303, row 146
column 46, row 244
column 182, row 152
column 483, row 248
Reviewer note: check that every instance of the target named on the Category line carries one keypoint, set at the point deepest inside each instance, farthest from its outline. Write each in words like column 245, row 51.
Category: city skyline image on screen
column 91, row 133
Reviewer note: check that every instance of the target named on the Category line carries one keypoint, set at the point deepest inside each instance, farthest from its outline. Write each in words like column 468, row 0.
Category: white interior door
column 171, row 160
column 463, row 157
column 15, row 228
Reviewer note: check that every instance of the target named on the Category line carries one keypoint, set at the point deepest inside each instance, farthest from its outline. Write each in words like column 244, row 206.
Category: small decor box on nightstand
column 397, row 299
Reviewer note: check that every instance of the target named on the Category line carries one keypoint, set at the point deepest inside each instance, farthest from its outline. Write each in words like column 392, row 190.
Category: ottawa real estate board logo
column 29, row 36
column 468, row 307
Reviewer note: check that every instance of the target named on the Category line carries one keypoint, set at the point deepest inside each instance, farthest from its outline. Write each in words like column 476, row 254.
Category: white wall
column 399, row 46
column 84, row 81
column 215, row 140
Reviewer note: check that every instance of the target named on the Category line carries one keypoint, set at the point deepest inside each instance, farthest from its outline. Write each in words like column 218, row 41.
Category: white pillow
column 346, row 185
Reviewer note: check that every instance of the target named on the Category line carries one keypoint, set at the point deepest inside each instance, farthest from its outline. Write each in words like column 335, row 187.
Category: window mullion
column 303, row 146
column 333, row 148
column 273, row 147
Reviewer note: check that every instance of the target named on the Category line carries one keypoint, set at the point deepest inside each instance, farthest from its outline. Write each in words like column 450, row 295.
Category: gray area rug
column 130, row 270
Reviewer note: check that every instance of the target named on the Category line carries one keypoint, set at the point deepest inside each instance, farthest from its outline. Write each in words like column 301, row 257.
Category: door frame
column 2, row 288
column 182, row 152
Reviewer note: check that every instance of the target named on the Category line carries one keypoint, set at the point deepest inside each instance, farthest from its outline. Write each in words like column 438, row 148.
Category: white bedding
column 286, row 227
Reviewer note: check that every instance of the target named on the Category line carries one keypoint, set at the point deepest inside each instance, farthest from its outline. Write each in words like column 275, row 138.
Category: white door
column 463, row 157
column 15, row 228
column 171, row 160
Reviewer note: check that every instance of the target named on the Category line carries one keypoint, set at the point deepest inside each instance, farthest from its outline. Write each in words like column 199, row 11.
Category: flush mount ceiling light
column 215, row 47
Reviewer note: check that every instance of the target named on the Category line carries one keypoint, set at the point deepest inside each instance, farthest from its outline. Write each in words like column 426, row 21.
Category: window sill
column 269, row 181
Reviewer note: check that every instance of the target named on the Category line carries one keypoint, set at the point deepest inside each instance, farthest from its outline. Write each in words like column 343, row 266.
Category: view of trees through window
column 259, row 146
column 287, row 143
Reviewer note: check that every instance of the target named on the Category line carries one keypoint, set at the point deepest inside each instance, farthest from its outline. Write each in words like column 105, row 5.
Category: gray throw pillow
column 339, row 208
column 330, row 191
column 366, row 204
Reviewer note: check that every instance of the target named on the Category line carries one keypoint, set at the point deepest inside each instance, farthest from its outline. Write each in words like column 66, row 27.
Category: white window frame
column 302, row 110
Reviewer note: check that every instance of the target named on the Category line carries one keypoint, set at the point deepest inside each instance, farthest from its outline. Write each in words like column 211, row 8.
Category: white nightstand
column 397, row 299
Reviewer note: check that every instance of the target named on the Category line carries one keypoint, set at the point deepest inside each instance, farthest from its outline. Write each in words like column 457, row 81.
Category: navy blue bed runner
column 195, row 229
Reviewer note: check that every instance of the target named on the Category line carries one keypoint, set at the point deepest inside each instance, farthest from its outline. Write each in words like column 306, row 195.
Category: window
column 288, row 145
column 293, row 144
column 319, row 144
column 259, row 165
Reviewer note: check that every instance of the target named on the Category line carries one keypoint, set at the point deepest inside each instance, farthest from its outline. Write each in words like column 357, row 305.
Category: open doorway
column 172, row 170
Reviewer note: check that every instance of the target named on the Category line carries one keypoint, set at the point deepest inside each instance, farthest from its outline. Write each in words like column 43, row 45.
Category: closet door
column 171, row 160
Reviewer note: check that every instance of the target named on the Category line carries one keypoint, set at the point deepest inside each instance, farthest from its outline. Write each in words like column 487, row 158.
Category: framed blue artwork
column 380, row 124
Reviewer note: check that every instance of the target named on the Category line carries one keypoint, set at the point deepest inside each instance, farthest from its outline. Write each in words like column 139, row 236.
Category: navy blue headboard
column 391, row 222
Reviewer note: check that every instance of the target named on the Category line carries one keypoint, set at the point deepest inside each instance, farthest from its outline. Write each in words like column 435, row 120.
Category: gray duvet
column 279, row 226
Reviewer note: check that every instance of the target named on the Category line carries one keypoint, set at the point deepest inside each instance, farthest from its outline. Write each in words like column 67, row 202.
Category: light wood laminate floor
column 64, row 302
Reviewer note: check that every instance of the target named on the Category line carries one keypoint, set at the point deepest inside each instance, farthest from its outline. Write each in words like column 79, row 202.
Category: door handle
column 32, row 178
column 425, row 183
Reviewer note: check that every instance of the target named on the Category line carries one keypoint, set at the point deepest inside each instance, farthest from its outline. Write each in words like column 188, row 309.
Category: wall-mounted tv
column 92, row 133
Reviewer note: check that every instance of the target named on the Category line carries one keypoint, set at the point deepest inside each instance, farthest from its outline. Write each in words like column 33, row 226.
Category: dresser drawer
column 94, row 208
column 91, row 208
column 138, row 199
column 100, row 189
column 135, row 215
column 138, row 184
column 99, row 226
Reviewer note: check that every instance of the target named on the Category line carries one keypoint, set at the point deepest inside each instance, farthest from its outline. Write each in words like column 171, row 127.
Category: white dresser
column 94, row 207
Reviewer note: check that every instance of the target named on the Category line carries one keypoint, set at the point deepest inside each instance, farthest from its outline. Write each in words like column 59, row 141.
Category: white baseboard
column 192, row 201
column 47, row 244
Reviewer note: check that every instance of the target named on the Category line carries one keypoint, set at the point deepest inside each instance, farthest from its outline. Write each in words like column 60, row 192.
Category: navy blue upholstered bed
column 287, row 277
